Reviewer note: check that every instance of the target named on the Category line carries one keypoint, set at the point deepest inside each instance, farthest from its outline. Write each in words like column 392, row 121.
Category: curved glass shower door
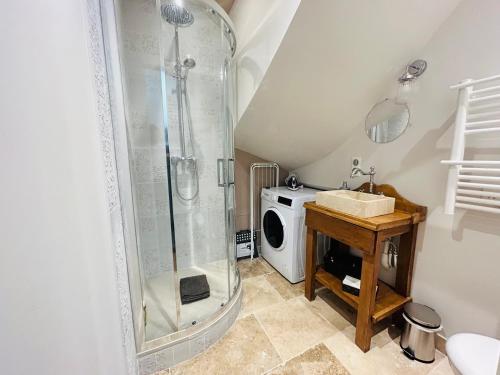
column 199, row 145
column 178, row 88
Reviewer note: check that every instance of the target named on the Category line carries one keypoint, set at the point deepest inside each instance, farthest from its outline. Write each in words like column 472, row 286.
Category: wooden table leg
column 310, row 270
column 367, row 295
column 406, row 256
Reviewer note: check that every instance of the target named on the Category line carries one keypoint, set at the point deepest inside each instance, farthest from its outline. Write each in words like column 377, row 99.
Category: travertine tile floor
column 280, row 332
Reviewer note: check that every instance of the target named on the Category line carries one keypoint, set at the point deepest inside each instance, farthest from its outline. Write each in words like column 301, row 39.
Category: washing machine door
column 273, row 226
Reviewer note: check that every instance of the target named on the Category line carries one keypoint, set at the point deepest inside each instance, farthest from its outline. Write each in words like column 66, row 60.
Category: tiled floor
column 280, row 332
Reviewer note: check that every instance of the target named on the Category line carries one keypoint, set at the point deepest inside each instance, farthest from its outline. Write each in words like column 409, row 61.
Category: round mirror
column 387, row 120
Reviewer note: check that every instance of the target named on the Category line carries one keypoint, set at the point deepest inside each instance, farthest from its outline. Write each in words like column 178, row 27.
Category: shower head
column 176, row 14
column 189, row 62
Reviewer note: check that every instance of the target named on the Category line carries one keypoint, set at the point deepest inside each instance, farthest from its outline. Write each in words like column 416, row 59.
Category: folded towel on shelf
column 194, row 288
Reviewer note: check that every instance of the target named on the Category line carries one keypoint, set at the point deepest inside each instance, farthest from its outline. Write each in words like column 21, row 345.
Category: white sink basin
column 356, row 203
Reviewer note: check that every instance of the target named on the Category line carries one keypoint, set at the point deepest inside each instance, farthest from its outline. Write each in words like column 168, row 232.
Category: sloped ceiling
column 336, row 60
column 260, row 27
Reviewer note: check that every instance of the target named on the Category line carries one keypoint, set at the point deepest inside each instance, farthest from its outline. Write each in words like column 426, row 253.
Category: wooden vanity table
column 367, row 235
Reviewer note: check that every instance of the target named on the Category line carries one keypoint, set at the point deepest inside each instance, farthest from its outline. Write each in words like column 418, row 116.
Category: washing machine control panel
column 282, row 197
column 277, row 198
column 266, row 194
column 285, row 201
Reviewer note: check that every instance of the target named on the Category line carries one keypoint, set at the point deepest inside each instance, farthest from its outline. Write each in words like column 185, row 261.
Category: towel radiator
column 474, row 184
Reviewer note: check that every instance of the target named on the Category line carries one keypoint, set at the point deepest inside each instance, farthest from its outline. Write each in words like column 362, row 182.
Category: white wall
column 59, row 307
column 457, row 256
column 334, row 61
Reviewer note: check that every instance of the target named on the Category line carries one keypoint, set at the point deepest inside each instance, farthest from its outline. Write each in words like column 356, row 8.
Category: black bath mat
column 194, row 288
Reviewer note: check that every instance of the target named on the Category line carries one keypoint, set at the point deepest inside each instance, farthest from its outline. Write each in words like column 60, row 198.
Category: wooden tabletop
column 376, row 223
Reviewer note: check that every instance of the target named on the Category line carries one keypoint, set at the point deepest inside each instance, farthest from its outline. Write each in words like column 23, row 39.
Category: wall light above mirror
column 388, row 119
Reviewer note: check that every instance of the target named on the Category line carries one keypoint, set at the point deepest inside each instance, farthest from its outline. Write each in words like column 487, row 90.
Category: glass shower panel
column 139, row 27
column 194, row 88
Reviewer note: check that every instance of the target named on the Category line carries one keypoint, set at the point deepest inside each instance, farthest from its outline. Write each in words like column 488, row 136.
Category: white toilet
column 472, row 354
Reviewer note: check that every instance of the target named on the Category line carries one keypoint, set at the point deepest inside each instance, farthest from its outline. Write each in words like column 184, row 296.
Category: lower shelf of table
column 387, row 301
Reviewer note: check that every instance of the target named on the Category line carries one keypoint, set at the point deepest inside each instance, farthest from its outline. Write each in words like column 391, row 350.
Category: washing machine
column 283, row 235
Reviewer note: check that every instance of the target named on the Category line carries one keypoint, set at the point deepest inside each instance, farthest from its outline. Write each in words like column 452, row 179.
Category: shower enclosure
column 175, row 90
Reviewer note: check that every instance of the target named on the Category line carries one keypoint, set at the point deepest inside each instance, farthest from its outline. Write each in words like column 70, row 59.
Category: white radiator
column 474, row 184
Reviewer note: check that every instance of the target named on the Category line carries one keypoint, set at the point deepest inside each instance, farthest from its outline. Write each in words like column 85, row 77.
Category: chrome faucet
column 371, row 173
